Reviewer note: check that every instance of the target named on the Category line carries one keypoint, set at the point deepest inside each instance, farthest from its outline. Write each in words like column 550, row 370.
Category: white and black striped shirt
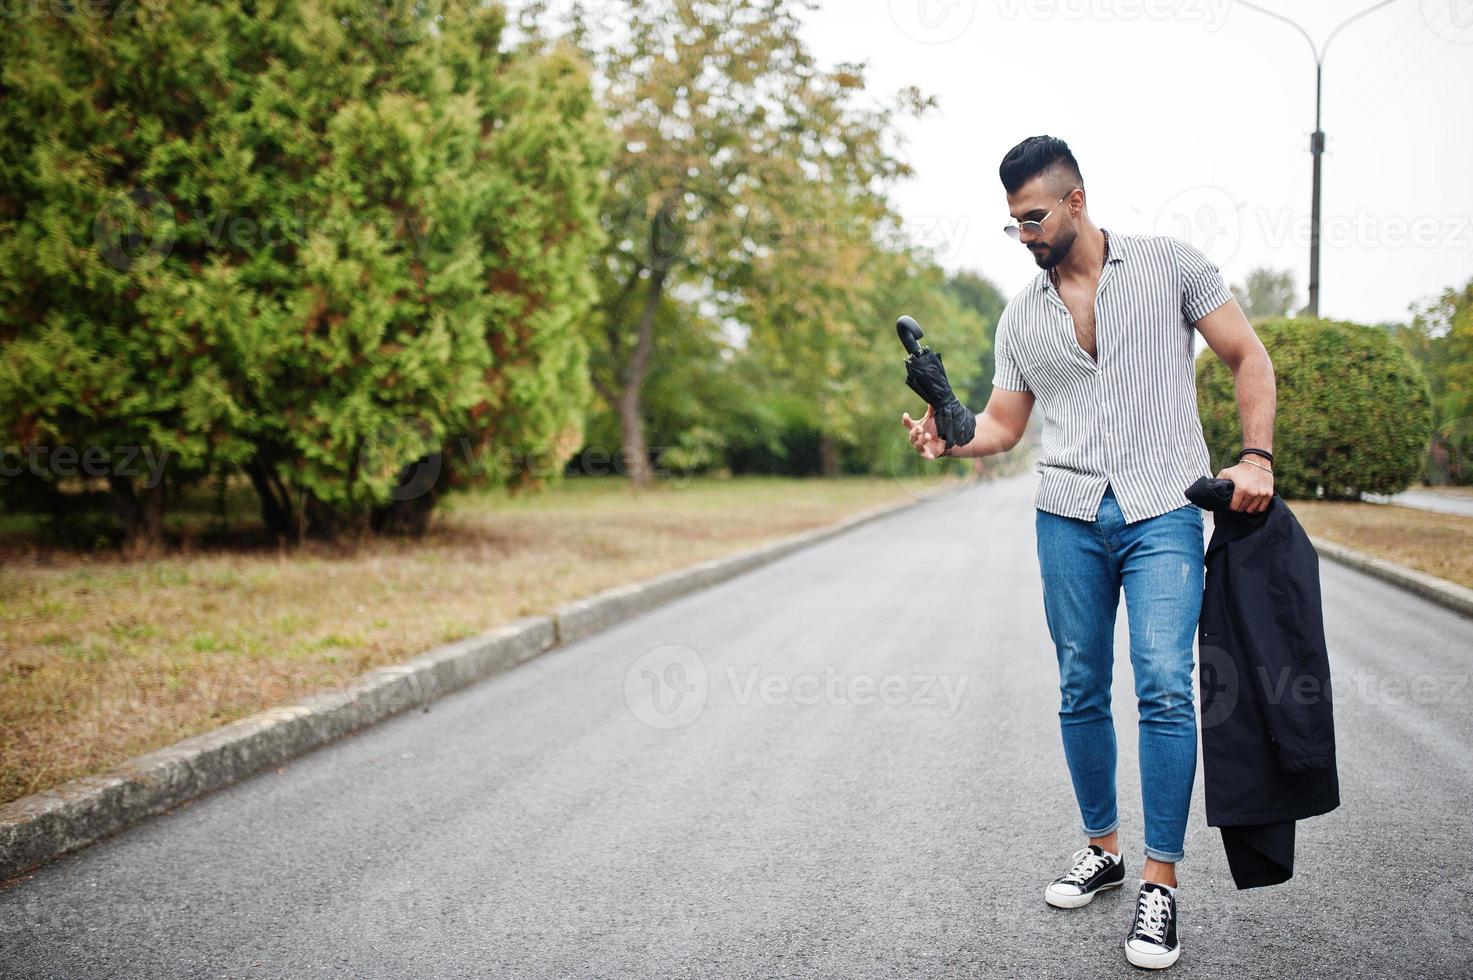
column 1129, row 420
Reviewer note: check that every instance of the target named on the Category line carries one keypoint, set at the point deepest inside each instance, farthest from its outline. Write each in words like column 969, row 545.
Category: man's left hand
column 1253, row 487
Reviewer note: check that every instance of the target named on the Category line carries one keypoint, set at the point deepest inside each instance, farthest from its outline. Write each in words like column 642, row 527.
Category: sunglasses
column 1015, row 230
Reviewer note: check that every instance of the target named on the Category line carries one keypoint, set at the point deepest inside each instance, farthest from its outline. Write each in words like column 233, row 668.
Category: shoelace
column 1086, row 863
column 1151, row 915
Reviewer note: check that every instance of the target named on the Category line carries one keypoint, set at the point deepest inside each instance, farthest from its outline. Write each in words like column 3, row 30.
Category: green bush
column 313, row 240
column 1354, row 411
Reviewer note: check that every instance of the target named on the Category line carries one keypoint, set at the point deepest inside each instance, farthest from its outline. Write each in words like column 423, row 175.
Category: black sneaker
column 1152, row 942
column 1094, row 870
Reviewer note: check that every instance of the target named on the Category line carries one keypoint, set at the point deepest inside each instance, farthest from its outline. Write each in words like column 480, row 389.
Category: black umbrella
column 926, row 376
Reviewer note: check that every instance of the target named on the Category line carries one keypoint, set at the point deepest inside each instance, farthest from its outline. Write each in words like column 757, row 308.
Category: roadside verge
column 1447, row 594
column 37, row 828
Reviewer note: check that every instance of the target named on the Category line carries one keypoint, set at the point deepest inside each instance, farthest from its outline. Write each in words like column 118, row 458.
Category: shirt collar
column 1119, row 251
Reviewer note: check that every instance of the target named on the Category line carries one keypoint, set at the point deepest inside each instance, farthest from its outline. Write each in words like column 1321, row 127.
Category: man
column 1102, row 339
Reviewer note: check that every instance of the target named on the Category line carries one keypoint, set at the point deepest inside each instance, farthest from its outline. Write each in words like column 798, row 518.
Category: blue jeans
column 1159, row 562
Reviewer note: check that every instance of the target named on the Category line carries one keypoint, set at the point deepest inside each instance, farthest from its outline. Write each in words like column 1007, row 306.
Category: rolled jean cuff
column 1170, row 857
column 1099, row 833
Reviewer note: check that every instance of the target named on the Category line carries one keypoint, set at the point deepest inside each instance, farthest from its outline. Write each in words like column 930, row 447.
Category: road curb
column 1447, row 594
column 43, row 826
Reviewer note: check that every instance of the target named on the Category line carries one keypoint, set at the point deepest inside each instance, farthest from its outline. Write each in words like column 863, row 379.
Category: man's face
column 1035, row 200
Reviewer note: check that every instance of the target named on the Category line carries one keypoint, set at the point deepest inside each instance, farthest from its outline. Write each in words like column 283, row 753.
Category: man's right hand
column 923, row 434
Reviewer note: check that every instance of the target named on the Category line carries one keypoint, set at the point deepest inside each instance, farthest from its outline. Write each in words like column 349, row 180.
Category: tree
column 306, row 238
column 1440, row 338
column 745, row 178
column 1266, row 293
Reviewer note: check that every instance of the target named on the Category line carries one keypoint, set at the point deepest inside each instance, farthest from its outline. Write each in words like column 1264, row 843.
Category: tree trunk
column 636, row 454
column 276, row 506
column 414, row 499
column 828, row 455
column 141, row 510
column 631, row 418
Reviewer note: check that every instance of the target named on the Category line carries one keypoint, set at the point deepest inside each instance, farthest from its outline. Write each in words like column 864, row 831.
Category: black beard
column 1053, row 255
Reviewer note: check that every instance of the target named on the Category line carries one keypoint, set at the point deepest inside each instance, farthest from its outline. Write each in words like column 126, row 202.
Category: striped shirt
column 1130, row 420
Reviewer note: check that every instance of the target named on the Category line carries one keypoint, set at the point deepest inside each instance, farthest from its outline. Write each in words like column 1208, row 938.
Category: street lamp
column 1316, row 140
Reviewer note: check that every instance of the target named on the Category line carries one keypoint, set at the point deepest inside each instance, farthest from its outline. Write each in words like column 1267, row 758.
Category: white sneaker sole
column 1152, row 961
column 1076, row 901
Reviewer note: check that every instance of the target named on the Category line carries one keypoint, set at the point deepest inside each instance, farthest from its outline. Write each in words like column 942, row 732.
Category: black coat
column 1268, row 732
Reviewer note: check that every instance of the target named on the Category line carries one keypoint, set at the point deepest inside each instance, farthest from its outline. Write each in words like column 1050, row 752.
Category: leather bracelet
column 1261, row 452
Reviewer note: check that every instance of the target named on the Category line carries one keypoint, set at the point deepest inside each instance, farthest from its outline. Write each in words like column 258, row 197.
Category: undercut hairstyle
column 1037, row 155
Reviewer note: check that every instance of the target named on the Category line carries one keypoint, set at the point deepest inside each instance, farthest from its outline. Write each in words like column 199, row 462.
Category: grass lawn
column 103, row 658
column 1438, row 544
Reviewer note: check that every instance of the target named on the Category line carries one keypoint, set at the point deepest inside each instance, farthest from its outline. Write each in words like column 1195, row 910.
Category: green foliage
column 1440, row 338
column 752, row 184
column 1266, row 293
column 314, row 239
column 975, row 292
column 1353, row 409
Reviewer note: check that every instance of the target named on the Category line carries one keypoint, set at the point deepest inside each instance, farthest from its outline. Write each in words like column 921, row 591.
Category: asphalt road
column 846, row 764
column 1440, row 501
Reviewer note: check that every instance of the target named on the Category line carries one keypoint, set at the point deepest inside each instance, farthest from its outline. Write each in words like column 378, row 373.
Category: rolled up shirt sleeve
column 1005, row 372
column 1203, row 288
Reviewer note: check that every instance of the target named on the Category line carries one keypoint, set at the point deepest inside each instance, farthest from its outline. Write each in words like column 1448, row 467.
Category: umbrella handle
column 910, row 334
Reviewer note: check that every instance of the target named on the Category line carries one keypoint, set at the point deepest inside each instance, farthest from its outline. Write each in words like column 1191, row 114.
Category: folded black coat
column 1268, row 732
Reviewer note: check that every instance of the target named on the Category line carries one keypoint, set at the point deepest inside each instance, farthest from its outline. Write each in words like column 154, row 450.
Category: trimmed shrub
column 1354, row 411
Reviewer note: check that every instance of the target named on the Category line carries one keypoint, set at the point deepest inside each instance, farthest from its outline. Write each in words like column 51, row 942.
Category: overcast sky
column 1192, row 118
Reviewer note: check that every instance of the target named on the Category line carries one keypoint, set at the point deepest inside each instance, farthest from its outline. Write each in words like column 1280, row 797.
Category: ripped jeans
column 1159, row 562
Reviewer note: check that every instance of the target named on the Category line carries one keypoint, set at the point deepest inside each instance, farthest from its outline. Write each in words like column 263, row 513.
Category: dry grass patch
column 1438, row 544
column 103, row 658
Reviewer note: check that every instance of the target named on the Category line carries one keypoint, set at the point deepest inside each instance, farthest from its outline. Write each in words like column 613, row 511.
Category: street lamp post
column 1316, row 139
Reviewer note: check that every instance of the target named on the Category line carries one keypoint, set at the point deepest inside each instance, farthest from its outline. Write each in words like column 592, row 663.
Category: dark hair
column 1034, row 156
